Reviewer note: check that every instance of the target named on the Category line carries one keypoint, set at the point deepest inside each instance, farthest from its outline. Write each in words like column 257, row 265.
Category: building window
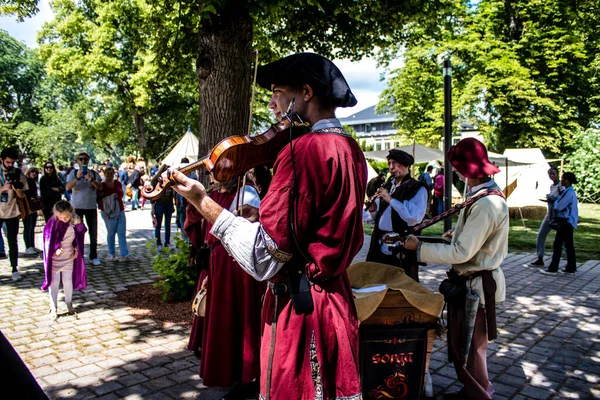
column 377, row 146
column 396, row 144
column 388, row 145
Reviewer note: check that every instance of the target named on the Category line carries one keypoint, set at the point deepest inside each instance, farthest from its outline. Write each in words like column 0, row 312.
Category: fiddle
column 235, row 155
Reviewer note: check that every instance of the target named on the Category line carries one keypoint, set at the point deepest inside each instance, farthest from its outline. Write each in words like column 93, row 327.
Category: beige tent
column 187, row 146
column 527, row 175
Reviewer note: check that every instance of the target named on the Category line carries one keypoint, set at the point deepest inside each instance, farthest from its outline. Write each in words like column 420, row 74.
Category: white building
column 377, row 130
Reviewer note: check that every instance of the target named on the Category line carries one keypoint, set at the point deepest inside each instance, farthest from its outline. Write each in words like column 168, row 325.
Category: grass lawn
column 522, row 238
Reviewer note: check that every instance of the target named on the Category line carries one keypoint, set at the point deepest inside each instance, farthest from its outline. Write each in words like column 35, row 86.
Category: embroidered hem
column 337, row 131
column 315, row 369
column 272, row 248
column 354, row 397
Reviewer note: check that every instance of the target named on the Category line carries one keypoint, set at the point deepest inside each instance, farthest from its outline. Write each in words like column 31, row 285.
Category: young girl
column 63, row 255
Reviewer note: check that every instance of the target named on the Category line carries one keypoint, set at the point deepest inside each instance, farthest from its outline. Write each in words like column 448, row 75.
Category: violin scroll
column 154, row 193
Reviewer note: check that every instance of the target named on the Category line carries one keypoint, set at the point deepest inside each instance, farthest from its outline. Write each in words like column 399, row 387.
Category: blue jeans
column 29, row 231
column 116, row 226
column 2, row 249
column 161, row 210
column 181, row 218
column 135, row 198
column 540, row 242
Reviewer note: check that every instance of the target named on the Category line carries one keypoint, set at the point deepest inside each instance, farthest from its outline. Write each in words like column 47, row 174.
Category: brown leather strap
column 489, row 294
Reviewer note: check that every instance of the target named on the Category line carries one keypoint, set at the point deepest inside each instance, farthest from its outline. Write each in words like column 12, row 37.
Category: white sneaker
column 38, row 250
column 31, row 251
column 111, row 257
column 16, row 276
column 95, row 261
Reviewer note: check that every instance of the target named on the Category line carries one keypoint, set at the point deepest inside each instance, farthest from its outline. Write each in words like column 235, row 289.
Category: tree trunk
column 513, row 21
column 223, row 69
column 139, row 131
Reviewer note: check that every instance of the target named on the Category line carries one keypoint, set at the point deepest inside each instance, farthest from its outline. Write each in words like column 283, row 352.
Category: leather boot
column 70, row 309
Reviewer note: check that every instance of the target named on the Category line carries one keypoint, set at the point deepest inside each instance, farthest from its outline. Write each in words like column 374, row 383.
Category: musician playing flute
column 399, row 204
column 479, row 245
column 309, row 347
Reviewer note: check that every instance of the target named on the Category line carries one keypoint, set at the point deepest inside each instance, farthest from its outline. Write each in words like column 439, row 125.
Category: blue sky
column 363, row 77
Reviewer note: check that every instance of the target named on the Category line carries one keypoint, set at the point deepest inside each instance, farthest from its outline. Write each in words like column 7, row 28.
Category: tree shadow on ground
column 160, row 376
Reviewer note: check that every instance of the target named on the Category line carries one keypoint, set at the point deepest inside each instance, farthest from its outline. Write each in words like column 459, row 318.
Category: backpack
column 110, row 204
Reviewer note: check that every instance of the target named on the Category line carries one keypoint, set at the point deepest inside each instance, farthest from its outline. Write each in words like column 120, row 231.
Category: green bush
column 584, row 162
column 177, row 279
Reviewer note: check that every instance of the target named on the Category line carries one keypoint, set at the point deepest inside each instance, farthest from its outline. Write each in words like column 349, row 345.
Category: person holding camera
column 479, row 245
column 84, row 182
column 12, row 185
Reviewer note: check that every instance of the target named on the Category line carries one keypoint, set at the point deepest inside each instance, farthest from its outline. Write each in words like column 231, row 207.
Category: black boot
column 538, row 263
column 242, row 391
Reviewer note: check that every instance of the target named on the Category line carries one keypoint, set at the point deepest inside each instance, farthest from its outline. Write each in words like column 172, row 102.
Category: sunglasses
column 83, row 159
column 48, row 167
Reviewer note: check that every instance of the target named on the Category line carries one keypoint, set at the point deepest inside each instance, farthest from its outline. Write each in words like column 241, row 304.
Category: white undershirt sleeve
column 247, row 242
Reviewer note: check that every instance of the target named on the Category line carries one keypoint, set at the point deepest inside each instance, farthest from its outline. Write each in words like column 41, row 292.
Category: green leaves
column 584, row 162
column 524, row 72
column 20, row 8
column 177, row 278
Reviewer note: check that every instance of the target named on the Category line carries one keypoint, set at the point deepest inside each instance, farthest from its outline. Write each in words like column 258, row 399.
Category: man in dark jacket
column 400, row 204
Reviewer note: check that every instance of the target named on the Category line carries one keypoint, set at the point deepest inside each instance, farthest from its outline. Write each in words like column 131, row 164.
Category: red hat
column 470, row 158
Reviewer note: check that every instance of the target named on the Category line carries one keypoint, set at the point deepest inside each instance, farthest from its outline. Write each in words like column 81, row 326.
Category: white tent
column 187, row 146
column 527, row 176
column 371, row 173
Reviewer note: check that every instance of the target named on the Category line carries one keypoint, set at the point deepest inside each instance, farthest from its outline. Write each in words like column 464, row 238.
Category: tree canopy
column 524, row 72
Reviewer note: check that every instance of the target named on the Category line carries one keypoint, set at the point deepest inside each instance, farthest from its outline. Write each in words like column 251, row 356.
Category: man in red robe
column 309, row 230
column 228, row 336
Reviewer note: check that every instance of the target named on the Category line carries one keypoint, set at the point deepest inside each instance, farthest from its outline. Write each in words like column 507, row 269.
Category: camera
column 84, row 170
column 11, row 177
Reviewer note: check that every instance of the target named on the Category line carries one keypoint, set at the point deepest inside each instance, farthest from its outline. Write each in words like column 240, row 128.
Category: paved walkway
column 548, row 345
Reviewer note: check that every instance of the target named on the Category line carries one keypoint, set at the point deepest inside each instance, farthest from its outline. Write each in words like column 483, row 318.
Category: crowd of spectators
column 89, row 187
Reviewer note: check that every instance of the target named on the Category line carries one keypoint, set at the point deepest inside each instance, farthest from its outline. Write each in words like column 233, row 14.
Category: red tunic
column 316, row 355
column 231, row 325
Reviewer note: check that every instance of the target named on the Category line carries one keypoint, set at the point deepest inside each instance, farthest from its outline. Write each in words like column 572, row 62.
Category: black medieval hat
column 312, row 69
column 401, row 156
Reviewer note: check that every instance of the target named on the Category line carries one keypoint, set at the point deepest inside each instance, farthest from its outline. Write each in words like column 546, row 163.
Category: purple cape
column 54, row 232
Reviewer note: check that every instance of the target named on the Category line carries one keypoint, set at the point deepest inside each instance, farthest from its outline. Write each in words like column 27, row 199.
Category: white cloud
column 365, row 81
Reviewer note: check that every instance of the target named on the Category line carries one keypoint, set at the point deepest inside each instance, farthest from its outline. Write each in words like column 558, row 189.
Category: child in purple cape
column 63, row 255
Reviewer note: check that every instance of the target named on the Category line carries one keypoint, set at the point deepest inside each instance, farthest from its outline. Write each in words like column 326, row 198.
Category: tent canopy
column 524, row 171
column 421, row 154
column 527, row 175
column 187, row 146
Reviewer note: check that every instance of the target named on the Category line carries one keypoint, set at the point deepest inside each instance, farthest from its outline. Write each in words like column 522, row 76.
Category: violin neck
column 201, row 163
